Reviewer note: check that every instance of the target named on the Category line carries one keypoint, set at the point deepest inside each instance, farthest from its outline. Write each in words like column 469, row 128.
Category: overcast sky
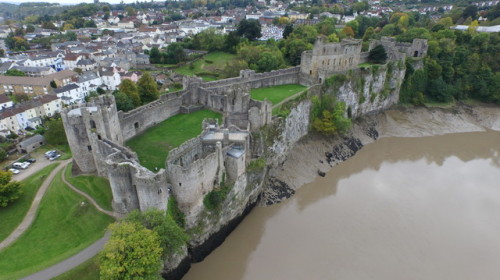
column 70, row 2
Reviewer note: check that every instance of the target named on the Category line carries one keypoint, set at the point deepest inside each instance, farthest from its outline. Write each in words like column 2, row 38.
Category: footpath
column 75, row 260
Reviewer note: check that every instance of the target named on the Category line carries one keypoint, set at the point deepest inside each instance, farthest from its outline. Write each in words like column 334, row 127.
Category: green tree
column 209, row 39
column 234, row 66
column 15, row 72
column 329, row 116
column 3, row 154
column 172, row 237
column 377, row 54
column 175, row 54
column 123, row 101
column 55, row 134
column 132, row 252
column 9, row 190
column 2, row 53
column 148, row 89
column 270, row 61
column 287, row 31
column 293, row 50
column 154, row 55
column 30, row 28
column 249, row 29
column 132, row 91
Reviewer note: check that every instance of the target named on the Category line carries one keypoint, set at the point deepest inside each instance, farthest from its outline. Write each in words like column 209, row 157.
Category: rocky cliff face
column 290, row 130
column 371, row 89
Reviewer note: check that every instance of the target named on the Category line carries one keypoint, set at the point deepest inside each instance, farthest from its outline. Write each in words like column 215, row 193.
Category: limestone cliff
column 369, row 89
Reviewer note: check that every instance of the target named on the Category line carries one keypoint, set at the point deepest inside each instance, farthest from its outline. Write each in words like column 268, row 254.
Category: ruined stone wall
column 370, row 90
column 191, row 183
column 144, row 117
column 328, row 58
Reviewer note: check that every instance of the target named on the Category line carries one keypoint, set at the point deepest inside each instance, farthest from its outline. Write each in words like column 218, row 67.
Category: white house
column 110, row 79
column 70, row 94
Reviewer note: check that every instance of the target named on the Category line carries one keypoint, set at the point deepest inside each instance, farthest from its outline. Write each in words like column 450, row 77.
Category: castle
column 96, row 131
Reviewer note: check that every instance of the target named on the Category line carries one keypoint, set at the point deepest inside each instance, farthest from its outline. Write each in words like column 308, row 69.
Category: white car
column 22, row 165
column 14, row 171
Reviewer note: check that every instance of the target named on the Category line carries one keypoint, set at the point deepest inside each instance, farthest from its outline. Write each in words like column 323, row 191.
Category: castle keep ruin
column 96, row 131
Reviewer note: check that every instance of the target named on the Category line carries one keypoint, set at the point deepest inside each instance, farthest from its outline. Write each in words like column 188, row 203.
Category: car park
column 14, row 171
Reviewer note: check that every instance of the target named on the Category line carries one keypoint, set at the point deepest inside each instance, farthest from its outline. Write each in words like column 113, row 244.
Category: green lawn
column 97, row 187
column 12, row 215
column 88, row 270
column 276, row 94
column 62, row 228
column 209, row 67
column 153, row 145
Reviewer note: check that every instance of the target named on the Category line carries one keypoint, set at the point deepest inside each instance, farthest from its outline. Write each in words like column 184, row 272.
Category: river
column 401, row 208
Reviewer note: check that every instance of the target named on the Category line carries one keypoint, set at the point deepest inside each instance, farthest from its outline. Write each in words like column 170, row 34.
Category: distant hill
column 19, row 11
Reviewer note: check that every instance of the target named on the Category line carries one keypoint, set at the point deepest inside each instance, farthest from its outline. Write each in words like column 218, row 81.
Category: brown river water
column 402, row 208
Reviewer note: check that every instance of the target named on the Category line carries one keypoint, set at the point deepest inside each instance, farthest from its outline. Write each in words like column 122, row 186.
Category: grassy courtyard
column 209, row 67
column 97, row 187
column 153, row 145
column 12, row 215
column 276, row 94
column 65, row 224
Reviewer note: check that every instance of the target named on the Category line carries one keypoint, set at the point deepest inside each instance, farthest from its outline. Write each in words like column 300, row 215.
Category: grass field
column 153, row 145
column 276, row 94
column 97, row 187
column 12, row 215
column 209, row 67
column 62, row 228
column 88, row 270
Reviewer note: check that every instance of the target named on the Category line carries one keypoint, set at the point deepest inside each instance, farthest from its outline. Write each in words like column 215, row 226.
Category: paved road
column 30, row 216
column 70, row 263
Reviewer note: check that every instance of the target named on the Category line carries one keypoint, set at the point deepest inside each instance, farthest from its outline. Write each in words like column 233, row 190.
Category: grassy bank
column 65, row 224
column 12, row 215
column 153, row 145
column 88, row 270
column 209, row 67
column 97, row 187
column 276, row 94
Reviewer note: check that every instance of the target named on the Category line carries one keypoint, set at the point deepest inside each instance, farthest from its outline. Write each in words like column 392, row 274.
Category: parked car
column 55, row 156
column 31, row 160
column 14, row 171
column 21, row 165
column 50, row 154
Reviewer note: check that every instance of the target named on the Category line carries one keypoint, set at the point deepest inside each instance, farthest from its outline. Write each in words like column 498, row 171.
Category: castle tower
column 84, row 124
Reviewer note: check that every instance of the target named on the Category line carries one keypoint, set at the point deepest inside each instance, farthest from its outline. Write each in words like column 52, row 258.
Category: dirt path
column 30, row 216
column 88, row 197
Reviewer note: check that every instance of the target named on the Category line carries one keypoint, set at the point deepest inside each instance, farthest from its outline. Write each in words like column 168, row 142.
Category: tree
column 249, row 29
column 234, row 66
column 148, row 89
column 9, row 190
column 30, row 28
column 270, row 61
column 172, row 237
column 3, row 154
column 329, row 116
column 377, row 55
column 470, row 11
column 175, row 54
column 48, row 25
column 15, row 72
column 123, row 101
column 287, row 31
column 154, row 55
column 347, row 31
column 55, row 134
column 130, row 89
column 2, row 53
column 132, row 252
